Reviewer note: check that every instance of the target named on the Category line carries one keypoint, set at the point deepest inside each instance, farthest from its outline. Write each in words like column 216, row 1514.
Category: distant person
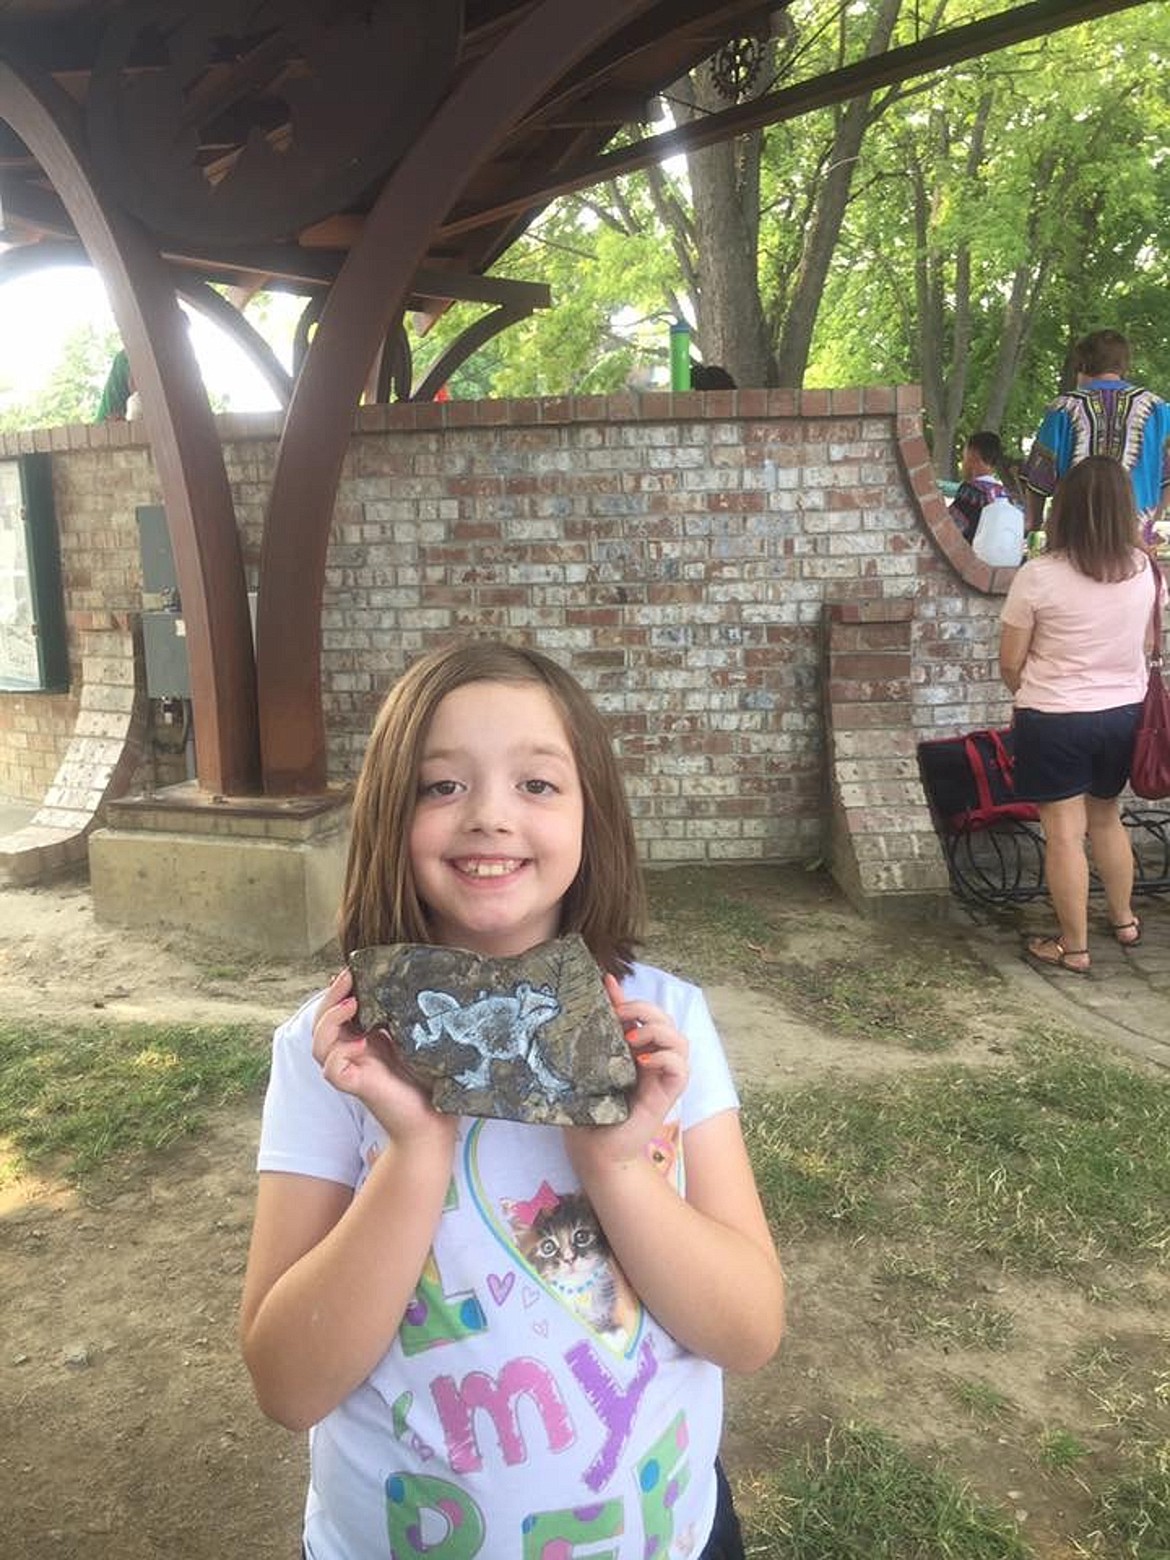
column 1076, row 630
column 518, row 1331
column 1107, row 414
column 119, row 387
column 985, row 477
column 710, row 376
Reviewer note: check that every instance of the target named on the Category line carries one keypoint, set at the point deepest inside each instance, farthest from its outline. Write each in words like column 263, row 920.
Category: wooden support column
column 200, row 514
column 370, row 291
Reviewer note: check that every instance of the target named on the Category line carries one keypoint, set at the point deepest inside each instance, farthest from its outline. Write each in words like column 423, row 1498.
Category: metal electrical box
column 164, row 634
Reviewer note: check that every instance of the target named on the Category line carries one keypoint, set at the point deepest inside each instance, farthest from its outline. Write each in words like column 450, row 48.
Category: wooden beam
column 989, row 34
column 465, row 130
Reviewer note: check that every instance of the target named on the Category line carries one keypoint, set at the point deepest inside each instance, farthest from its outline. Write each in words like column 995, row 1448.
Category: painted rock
column 532, row 1038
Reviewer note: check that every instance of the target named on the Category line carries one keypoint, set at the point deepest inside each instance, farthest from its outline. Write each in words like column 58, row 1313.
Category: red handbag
column 1149, row 770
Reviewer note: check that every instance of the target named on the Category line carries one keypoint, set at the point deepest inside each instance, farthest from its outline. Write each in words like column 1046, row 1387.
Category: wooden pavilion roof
column 252, row 139
column 380, row 153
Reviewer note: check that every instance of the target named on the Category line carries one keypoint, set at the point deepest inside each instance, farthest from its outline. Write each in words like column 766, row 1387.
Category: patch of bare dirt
column 130, row 1431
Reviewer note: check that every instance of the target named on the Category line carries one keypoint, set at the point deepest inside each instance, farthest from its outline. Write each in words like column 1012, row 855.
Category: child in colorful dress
column 508, row 1340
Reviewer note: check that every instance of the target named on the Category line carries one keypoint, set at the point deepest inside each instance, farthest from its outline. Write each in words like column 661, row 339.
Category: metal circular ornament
column 241, row 123
column 736, row 67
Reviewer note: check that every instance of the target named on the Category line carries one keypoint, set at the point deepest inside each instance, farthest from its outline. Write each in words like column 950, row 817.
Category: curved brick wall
column 684, row 554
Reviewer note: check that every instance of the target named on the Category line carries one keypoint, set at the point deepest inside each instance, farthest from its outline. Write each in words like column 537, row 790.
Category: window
column 33, row 652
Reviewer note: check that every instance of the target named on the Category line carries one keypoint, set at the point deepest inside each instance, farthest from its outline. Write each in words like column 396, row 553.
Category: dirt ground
column 129, row 1429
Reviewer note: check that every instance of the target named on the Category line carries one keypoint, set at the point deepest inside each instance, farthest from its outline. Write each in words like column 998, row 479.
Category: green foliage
column 613, row 280
column 1058, row 195
column 73, row 389
column 1062, row 198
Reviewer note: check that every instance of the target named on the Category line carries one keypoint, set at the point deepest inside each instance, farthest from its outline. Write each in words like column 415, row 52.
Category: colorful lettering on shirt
column 458, row 1403
column 613, row 1405
column 557, row 1535
column 428, row 1516
column 432, row 1317
column 662, row 1477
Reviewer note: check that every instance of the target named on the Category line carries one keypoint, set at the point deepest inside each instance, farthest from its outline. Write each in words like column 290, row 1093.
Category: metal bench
column 993, row 844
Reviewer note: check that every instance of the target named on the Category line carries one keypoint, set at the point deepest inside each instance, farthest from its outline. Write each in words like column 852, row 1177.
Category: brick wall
column 677, row 552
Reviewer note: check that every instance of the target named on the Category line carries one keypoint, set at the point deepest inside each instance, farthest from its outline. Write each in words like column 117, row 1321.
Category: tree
column 72, row 391
column 615, row 291
column 1010, row 207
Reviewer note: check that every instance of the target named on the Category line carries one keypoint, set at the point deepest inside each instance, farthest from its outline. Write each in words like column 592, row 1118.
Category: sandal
column 1134, row 926
column 1059, row 961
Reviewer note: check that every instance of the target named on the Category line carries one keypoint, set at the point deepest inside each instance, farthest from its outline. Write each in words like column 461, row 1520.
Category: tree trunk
column 824, row 229
column 725, row 193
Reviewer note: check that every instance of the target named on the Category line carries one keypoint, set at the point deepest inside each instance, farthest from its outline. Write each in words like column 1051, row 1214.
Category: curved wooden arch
column 200, row 514
column 395, row 374
column 307, row 320
column 215, row 307
column 474, row 337
column 28, row 258
column 370, row 290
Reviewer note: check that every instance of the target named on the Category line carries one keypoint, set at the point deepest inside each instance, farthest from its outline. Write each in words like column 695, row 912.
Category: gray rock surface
column 532, row 1038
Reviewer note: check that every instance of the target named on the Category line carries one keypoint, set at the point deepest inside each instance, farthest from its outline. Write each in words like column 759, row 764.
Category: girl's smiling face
column 495, row 841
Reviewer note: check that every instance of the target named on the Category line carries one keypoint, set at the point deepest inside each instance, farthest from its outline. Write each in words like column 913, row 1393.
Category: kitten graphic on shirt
column 566, row 1248
column 561, row 1239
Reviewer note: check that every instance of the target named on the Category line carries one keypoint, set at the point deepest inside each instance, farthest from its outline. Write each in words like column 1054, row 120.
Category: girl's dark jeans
column 726, row 1541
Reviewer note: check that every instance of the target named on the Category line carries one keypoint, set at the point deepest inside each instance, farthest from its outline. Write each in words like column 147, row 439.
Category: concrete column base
column 265, row 873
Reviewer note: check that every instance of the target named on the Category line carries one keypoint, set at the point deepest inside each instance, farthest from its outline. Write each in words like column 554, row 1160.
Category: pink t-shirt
column 1087, row 650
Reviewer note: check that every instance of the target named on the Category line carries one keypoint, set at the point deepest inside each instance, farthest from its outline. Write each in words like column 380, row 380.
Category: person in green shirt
column 118, row 389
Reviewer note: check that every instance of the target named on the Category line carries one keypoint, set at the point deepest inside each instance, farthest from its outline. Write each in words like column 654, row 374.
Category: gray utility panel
column 164, row 634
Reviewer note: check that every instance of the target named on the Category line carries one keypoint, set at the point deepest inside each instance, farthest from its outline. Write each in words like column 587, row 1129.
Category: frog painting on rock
column 505, row 1339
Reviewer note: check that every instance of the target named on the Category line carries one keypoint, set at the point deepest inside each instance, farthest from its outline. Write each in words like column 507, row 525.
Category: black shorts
column 1079, row 754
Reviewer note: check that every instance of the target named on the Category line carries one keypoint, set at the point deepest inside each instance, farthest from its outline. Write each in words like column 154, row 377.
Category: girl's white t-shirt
column 523, row 1409
column 1088, row 636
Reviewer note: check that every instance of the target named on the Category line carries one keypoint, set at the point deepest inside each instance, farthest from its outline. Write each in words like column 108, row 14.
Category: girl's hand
column 661, row 1058
column 364, row 1065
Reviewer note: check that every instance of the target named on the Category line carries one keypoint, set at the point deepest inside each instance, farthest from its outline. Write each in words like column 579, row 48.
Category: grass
column 83, row 1096
column 1048, row 1164
column 1061, row 1450
column 743, row 930
column 1133, row 1512
column 859, row 1496
column 980, row 1400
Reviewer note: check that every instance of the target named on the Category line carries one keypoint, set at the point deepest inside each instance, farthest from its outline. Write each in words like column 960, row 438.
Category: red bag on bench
column 968, row 781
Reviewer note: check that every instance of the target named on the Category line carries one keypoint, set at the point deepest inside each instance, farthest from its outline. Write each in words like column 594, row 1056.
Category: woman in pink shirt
column 1075, row 630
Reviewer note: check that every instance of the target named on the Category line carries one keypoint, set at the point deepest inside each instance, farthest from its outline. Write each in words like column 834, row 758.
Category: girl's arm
column 706, row 1267
column 330, row 1274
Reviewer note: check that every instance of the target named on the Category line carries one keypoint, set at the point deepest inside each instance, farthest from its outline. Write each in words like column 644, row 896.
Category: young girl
column 507, row 1339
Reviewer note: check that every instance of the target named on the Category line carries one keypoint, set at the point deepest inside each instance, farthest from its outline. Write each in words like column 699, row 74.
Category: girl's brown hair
column 605, row 902
column 1094, row 519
